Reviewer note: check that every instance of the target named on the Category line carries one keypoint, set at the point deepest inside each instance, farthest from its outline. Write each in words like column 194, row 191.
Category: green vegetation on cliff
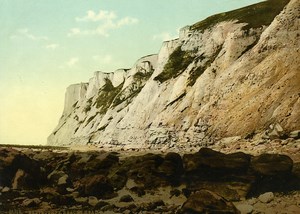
column 256, row 15
column 107, row 95
column 178, row 61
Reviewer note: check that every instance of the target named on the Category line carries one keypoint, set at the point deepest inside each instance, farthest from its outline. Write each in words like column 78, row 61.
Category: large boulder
column 208, row 162
column 272, row 164
column 273, row 174
column 92, row 163
column 13, row 161
column 142, row 169
column 205, row 201
column 97, row 186
column 171, row 168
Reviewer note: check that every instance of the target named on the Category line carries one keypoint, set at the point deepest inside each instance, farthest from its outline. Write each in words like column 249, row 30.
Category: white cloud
column 25, row 33
column 106, row 20
column 106, row 59
column 52, row 46
column 165, row 36
column 92, row 16
column 72, row 62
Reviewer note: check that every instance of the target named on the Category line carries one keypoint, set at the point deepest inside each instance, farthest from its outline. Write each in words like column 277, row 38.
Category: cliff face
column 232, row 74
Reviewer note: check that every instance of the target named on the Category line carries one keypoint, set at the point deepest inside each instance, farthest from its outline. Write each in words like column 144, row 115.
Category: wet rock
column 205, row 201
column 272, row 164
column 266, row 197
column 126, row 198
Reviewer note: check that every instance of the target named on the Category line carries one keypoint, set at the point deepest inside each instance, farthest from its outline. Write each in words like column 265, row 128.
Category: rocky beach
column 58, row 180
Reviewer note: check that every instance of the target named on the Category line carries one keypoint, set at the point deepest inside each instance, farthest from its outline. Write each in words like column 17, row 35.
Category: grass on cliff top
column 256, row 15
column 178, row 61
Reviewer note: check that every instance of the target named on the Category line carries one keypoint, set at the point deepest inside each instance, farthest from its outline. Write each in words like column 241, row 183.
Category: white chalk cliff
column 232, row 74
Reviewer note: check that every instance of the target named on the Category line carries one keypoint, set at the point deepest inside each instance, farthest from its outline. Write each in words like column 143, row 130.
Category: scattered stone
column 295, row 134
column 70, row 189
column 81, row 199
column 276, row 131
column 126, row 198
column 31, row 202
column 266, row 197
column 5, row 189
column 245, row 208
column 93, row 201
column 63, row 180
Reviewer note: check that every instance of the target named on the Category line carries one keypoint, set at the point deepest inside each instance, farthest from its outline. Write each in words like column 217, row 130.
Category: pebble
column 245, row 208
column 6, row 189
column 266, row 197
column 93, row 201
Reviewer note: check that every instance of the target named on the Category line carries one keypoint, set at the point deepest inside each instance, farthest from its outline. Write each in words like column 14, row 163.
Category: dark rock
column 138, row 190
column 153, row 205
column 231, row 191
column 109, row 207
column 205, row 201
column 172, row 168
column 296, row 170
column 92, row 163
column 101, row 204
column 295, row 134
column 175, row 192
column 98, row 186
column 211, row 164
column 273, row 174
column 31, row 202
column 272, row 164
column 126, row 198
column 11, row 161
column 117, row 179
column 143, row 170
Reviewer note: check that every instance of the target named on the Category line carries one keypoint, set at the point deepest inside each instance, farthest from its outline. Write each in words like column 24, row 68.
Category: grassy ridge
column 255, row 15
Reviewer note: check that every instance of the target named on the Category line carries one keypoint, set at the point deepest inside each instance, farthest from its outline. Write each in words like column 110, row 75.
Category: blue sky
column 47, row 45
